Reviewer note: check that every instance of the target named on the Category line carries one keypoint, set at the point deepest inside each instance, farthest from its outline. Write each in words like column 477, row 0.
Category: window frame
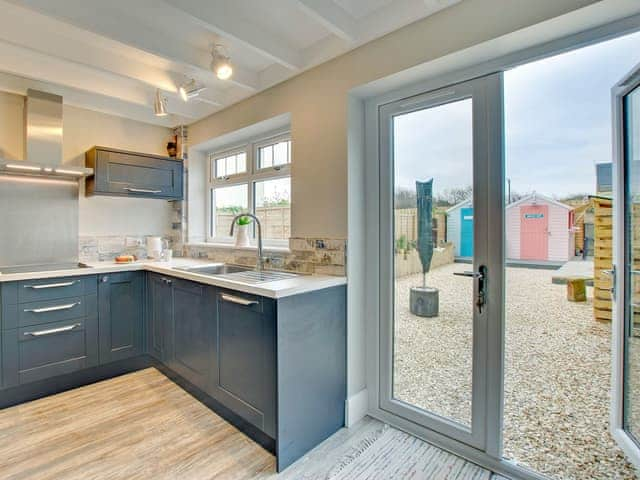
column 250, row 177
column 273, row 170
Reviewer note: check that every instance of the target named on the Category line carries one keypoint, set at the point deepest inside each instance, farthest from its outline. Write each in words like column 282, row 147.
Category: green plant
column 244, row 221
column 401, row 244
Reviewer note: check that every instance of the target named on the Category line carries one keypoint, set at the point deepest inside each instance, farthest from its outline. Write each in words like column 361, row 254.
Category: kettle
column 154, row 248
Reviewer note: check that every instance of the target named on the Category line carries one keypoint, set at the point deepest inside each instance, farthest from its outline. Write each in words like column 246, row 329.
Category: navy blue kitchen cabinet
column 192, row 332
column 159, row 316
column 49, row 328
column 120, row 315
column 275, row 368
column 131, row 174
column 244, row 377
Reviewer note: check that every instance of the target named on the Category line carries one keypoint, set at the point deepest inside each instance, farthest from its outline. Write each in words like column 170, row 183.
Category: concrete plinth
column 424, row 301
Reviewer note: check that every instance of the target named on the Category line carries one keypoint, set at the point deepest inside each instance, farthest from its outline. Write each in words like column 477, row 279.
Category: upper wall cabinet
column 130, row 174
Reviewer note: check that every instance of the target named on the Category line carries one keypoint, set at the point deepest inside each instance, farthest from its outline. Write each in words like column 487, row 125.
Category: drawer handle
column 68, row 306
column 51, row 331
column 239, row 300
column 53, row 285
column 141, row 190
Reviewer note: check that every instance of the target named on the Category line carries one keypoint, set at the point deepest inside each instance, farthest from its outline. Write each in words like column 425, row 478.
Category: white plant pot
column 242, row 236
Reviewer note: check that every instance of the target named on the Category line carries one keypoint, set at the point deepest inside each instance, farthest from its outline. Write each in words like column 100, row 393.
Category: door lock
column 481, row 277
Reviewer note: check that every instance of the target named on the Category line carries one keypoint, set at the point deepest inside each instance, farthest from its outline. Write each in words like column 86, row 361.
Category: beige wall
column 317, row 99
column 82, row 130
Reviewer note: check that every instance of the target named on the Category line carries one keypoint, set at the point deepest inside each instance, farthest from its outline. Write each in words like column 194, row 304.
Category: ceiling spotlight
column 189, row 90
column 220, row 62
column 160, row 105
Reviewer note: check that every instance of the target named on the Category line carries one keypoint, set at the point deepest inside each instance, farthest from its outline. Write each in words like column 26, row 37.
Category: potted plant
column 242, row 232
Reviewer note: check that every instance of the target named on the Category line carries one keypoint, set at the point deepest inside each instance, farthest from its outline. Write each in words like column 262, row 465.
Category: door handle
column 52, row 285
column 238, row 300
column 52, row 331
column 68, row 306
column 481, row 277
column 141, row 190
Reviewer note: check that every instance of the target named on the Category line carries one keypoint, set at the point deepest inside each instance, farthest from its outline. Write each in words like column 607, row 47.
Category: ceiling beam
column 98, row 17
column 23, row 62
column 55, row 38
column 333, row 17
column 221, row 20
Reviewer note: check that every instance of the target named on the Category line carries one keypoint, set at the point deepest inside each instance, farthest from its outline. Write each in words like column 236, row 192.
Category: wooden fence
column 409, row 263
column 406, row 224
column 603, row 258
column 275, row 221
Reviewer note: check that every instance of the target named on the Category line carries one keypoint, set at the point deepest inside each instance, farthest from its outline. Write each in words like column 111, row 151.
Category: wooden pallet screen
column 603, row 258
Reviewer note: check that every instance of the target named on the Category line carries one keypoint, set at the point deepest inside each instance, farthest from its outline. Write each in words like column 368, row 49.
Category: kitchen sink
column 215, row 269
column 238, row 273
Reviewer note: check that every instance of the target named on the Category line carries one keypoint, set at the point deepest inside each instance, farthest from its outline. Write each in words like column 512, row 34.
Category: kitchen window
column 254, row 177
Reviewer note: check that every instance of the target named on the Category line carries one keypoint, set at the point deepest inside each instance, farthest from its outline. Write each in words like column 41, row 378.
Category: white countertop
column 277, row 289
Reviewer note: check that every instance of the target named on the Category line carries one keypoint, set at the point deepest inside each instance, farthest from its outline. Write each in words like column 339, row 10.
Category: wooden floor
column 143, row 426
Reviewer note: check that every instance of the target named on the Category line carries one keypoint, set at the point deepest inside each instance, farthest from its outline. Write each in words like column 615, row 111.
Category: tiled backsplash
column 306, row 255
column 107, row 247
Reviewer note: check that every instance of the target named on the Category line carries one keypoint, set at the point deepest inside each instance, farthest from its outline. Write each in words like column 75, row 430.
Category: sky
column 557, row 125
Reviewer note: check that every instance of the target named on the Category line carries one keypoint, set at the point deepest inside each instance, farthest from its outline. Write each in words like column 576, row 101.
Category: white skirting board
column 356, row 407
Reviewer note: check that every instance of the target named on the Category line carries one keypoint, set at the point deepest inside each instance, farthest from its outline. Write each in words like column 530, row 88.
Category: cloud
column 557, row 121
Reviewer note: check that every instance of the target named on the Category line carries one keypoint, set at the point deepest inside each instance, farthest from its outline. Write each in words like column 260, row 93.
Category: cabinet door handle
column 51, row 331
column 67, row 306
column 53, row 285
column 141, row 190
column 238, row 300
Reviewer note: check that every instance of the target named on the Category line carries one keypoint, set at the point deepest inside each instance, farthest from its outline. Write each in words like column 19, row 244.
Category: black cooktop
column 42, row 268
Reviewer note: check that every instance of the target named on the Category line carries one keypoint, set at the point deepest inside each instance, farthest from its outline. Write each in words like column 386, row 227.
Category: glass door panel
column 632, row 264
column 625, row 407
column 433, row 313
column 439, row 150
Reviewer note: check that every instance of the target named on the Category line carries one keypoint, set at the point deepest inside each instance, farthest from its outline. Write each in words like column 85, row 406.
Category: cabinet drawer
column 47, row 311
column 50, row 288
column 38, row 352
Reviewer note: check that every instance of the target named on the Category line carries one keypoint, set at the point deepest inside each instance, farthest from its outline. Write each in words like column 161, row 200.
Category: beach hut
column 460, row 228
column 539, row 228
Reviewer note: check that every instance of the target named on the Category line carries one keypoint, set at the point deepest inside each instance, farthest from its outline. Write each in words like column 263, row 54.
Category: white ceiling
column 111, row 56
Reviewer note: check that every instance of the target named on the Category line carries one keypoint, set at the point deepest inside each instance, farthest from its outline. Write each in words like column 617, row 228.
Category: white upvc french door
column 625, row 407
column 461, row 391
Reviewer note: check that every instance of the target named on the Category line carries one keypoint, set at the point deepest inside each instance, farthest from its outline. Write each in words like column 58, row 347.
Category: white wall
column 82, row 130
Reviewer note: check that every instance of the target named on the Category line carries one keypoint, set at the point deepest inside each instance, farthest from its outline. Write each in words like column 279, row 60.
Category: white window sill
column 231, row 246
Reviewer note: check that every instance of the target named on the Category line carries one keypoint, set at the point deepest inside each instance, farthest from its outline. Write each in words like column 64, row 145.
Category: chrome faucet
column 260, row 262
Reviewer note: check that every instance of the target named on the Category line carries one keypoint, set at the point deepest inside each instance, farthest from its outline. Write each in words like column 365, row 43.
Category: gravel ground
column 558, row 361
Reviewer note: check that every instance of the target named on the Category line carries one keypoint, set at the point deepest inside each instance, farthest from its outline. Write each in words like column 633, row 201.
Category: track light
column 220, row 63
column 160, row 105
column 189, row 89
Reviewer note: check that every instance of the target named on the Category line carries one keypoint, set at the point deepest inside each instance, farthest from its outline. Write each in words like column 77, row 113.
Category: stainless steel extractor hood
column 43, row 140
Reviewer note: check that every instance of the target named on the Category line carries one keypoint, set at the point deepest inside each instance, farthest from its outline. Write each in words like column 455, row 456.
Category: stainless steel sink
column 215, row 269
column 238, row 273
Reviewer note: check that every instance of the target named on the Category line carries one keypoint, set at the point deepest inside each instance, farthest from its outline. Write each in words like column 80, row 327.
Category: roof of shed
column 538, row 197
column 468, row 201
